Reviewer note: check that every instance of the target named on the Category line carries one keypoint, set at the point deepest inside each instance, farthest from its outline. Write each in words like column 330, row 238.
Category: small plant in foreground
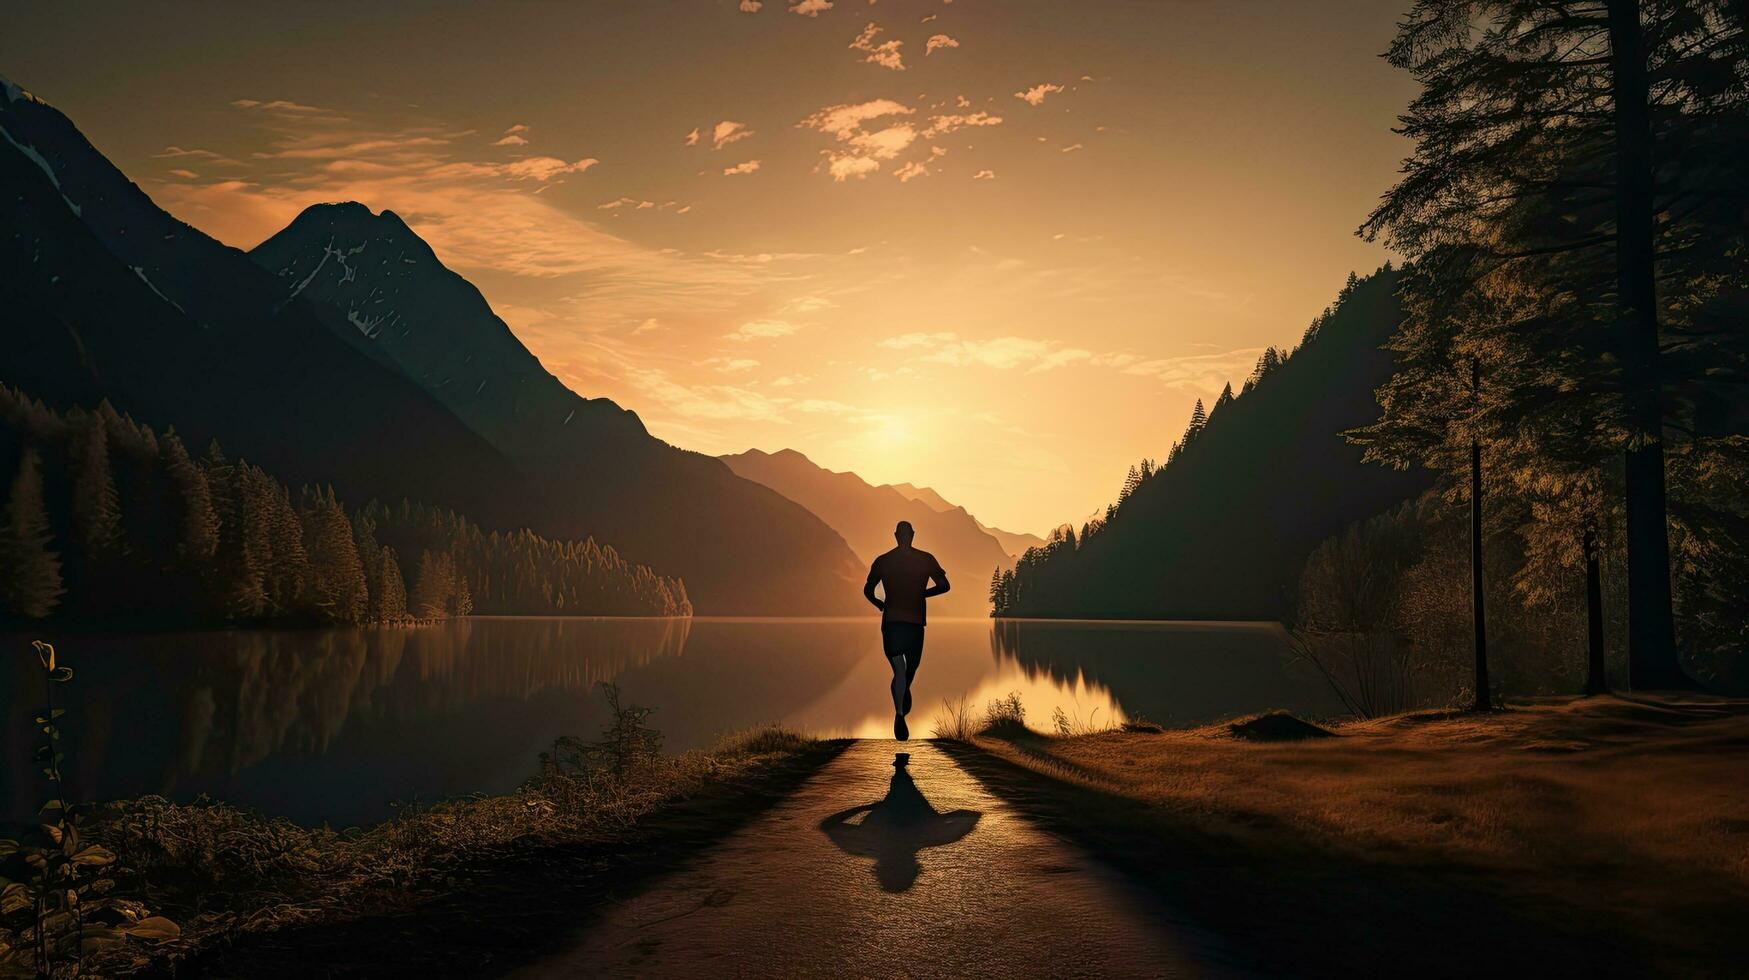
column 627, row 742
column 1005, row 714
column 955, row 721
column 1070, row 726
column 72, row 913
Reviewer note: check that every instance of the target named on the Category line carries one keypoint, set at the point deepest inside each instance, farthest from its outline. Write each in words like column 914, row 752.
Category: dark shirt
column 905, row 572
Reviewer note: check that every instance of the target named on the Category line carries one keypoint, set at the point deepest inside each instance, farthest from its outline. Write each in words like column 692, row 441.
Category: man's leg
column 901, row 731
column 901, row 686
column 913, row 660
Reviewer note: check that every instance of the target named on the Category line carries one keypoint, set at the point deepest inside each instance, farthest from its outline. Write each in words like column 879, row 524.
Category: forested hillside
column 595, row 468
column 1221, row 528
column 107, row 520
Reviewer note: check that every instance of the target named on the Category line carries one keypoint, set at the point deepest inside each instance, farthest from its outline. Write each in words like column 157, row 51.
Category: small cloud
column 650, row 325
column 1072, row 147
column 762, row 330
column 751, row 6
column 730, row 365
column 927, row 19
column 1036, row 94
column 544, row 168
column 277, row 105
column 938, row 41
column 791, row 380
column 727, row 132
column 919, row 168
column 810, row 8
column 179, row 172
column 843, row 121
column 887, row 54
column 984, row 175
column 843, row 166
column 947, row 124
column 692, row 137
column 513, row 136
column 748, row 167
column 626, row 202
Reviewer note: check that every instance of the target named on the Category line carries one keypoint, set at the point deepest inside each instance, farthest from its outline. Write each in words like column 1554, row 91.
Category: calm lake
column 334, row 725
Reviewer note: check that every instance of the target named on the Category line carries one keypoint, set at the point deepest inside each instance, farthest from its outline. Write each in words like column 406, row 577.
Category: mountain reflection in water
column 334, row 725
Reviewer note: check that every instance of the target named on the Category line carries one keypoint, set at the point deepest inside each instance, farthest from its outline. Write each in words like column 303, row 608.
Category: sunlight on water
column 335, row 724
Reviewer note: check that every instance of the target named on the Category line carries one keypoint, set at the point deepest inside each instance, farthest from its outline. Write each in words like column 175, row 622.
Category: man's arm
column 940, row 585
column 868, row 589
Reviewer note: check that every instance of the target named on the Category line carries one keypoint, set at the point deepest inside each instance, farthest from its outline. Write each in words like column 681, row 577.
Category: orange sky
column 998, row 247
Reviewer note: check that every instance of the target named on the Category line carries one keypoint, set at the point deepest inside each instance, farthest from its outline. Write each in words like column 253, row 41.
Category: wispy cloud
column 887, row 54
column 919, row 168
column 279, row 105
column 762, row 330
column 938, row 41
column 810, row 8
column 1203, row 372
column 751, row 6
column 728, row 131
column 1036, row 95
column 865, row 149
column 692, row 137
column 513, row 136
column 745, row 167
column 984, row 175
column 729, row 365
column 939, row 125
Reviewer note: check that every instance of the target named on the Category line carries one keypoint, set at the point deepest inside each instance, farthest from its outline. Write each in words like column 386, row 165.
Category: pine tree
column 96, row 506
column 435, row 583
column 30, row 573
column 1223, row 401
column 337, row 579
column 197, row 531
column 391, row 588
column 1198, row 420
column 1539, row 226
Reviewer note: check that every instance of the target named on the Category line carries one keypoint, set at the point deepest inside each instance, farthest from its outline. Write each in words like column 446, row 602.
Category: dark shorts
column 903, row 640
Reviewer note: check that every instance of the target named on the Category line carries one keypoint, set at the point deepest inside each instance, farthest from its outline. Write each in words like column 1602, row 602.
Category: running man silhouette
column 905, row 573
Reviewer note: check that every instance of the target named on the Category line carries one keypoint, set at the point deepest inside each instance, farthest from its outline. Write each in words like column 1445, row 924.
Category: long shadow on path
column 1299, row 911
column 895, row 828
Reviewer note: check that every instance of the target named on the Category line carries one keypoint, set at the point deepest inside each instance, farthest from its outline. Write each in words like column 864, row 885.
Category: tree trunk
column 1652, row 659
column 1484, row 700
column 1597, row 678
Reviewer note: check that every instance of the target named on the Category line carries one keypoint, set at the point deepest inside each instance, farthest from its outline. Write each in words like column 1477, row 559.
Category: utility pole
column 1484, row 702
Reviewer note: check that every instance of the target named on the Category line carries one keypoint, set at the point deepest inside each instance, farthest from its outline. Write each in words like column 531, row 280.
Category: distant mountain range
column 104, row 295
column 1223, row 530
column 1012, row 543
column 865, row 515
column 342, row 351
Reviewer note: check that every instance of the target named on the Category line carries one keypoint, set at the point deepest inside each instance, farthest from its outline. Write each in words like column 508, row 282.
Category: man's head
column 903, row 534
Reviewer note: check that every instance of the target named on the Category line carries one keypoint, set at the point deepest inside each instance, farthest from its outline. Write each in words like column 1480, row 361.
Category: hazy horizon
column 852, row 258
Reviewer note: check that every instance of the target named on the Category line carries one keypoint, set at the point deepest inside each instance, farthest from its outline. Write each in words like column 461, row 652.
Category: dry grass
column 229, row 872
column 1631, row 809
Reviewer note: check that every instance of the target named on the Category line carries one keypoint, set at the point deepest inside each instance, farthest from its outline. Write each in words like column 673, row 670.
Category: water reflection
column 334, row 724
column 1174, row 674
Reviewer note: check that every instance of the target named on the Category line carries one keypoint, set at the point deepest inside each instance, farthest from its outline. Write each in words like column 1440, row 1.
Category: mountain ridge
column 864, row 515
column 739, row 546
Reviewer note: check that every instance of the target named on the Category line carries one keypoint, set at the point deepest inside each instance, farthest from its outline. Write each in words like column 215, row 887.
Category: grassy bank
column 455, row 888
column 1609, row 834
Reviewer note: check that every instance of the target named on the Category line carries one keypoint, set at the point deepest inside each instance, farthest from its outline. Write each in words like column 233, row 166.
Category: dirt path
column 870, row 869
